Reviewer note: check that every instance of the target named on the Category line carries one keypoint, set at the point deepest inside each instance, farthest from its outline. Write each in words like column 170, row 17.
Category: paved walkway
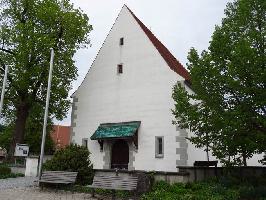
column 35, row 193
column 26, row 188
column 20, row 182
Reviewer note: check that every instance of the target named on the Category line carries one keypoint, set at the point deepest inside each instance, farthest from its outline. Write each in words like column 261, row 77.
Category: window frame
column 83, row 142
column 120, row 68
column 159, row 145
column 121, row 41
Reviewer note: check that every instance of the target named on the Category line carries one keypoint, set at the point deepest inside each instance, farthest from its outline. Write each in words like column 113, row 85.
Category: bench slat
column 58, row 177
column 114, row 185
column 106, row 180
column 115, row 182
column 112, row 188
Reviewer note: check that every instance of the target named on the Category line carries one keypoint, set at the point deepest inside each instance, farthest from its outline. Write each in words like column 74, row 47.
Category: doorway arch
column 120, row 155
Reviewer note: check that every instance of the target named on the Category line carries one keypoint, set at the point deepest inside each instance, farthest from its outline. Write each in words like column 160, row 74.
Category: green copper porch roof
column 116, row 130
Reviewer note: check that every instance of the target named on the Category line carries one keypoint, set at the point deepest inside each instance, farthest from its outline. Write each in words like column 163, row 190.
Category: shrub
column 4, row 170
column 190, row 191
column 11, row 175
column 252, row 193
column 72, row 158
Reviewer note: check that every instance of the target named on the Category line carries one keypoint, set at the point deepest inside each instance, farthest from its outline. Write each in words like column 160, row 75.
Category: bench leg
column 135, row 195
column 113, row 194
column 72, row 188
column 93, row 192
column 41, row 186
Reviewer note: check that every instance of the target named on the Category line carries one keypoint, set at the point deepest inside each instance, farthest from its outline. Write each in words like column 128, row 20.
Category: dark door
column 120, row 155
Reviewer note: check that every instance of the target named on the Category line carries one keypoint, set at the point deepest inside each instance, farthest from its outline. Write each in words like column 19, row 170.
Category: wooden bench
column 205, row 163
column 58, row 177
column 114, row 183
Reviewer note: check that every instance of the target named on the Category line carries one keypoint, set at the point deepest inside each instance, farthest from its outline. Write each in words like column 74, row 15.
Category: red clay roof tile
column 172, row 62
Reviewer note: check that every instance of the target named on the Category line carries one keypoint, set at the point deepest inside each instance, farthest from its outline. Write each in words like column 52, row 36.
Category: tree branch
column 7, row 51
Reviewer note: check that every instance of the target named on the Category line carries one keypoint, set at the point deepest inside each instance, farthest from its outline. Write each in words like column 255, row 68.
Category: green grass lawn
column 223, row 189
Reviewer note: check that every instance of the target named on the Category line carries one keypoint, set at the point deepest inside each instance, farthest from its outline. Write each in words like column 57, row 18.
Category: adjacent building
column 60, row 136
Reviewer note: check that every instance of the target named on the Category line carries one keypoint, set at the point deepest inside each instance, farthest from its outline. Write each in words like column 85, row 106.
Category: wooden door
column 120, row 155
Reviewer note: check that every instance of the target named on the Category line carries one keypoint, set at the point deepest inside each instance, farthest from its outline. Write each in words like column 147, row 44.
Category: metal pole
column 46, row 113
column 3, row 90
column 207, row 149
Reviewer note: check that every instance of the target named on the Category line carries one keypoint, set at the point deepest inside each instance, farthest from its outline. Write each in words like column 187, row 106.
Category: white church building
column 122, row 109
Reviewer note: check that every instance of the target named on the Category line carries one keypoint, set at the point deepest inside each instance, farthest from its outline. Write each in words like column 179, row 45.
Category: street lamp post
column 3, row 90
column 46, row 113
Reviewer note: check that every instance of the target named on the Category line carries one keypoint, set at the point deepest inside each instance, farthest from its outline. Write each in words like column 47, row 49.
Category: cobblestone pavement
column 34, row 193
column 20, row 182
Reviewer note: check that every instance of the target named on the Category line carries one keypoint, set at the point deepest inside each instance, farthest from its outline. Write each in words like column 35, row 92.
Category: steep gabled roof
column 172, row 62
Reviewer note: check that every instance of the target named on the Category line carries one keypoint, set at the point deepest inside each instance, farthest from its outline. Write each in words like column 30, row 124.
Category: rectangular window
column 121, row 41
column 159, row 147
column 120, row 69
column 85, row 142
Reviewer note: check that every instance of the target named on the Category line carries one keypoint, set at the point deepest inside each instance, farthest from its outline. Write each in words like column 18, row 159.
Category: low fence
column 191, row 174
column 169, row 177
column 203, row 173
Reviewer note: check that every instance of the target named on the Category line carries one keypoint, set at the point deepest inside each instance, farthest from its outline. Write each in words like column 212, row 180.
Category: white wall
column 142, row 92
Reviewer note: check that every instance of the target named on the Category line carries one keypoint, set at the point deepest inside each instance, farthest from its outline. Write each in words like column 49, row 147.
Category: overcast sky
column 178, row 24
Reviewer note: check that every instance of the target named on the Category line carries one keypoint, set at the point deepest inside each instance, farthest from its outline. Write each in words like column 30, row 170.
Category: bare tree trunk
column 244, row 156
column 22, row 114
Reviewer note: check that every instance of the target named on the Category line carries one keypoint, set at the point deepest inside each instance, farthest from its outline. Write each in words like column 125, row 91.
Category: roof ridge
column 172, row 62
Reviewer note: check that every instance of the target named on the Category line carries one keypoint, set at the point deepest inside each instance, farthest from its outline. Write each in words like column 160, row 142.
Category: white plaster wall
column 142, row 92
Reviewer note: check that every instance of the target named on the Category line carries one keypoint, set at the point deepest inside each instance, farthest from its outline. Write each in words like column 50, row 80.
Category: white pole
column 46, row 113
column 3, row 90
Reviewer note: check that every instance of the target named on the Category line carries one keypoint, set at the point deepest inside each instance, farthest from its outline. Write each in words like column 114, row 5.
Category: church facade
column 122, row 109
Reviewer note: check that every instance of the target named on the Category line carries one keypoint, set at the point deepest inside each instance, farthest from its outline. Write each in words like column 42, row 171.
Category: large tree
column 28, row 29
column 227, row 111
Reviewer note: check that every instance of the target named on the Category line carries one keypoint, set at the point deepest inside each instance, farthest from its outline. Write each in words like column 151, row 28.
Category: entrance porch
column 119, row 143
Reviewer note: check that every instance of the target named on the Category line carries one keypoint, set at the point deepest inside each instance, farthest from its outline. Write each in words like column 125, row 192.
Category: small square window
column 85, row 142
column 121, row 41
column 120, row 69
column 159, row 147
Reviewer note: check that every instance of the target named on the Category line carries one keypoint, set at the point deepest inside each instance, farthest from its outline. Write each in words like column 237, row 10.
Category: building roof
column 60, row 135
column 172, row 62
column 116, row 130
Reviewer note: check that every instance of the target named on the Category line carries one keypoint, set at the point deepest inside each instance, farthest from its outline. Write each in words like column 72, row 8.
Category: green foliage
column 209, row 190
column 33, row 138
column 4, row 170
column 28, row 29
column 251, row 192
column 11, row 175
column 5, row 138
column 72, row 158
column 2, row 128
column 227, row 112
column 263, row 160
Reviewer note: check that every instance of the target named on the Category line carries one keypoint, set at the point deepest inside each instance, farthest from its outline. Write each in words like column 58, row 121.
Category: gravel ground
column 20, row 182
column 26, row 188
column 34, row 193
